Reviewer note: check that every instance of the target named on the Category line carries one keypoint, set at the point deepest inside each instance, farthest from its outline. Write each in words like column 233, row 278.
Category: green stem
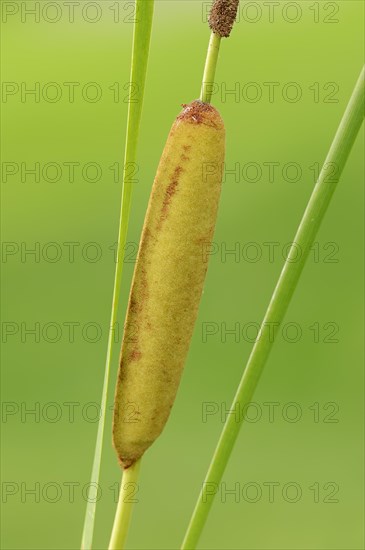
column 312, row 218
column 210, row 67
column 124, row 508
column 140, row 52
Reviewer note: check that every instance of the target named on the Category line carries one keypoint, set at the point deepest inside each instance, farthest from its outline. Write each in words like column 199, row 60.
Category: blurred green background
column 310, row 52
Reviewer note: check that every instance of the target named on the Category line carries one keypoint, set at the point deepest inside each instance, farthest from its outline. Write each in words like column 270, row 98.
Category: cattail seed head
column 168, row 278
column 222, row 16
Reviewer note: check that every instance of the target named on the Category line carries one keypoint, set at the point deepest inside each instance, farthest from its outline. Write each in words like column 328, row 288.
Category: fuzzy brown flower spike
column 222, row 16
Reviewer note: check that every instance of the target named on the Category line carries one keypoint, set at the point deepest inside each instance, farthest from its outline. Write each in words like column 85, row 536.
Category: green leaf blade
column 317, row 206
column 140, row 53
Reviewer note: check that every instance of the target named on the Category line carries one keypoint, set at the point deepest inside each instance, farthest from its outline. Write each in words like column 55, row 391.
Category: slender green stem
column 312, row 218
column 210, row 67
column 125, row 507
column 140, row 51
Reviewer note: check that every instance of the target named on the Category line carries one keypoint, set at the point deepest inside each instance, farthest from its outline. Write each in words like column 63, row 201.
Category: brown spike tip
column 222, row 16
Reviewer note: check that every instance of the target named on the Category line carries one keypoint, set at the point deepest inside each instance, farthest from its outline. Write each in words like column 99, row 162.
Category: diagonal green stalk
column 124, row 508
column 140, row 51
column 286, row 285
column 210, row 67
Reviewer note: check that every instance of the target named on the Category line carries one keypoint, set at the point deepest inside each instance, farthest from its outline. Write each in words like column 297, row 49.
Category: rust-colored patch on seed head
column 121, row 378
column 198, row 112
column 135, row 355
column 133, row 304
column 169, row 193
column 144, row 287
column 223, row 16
